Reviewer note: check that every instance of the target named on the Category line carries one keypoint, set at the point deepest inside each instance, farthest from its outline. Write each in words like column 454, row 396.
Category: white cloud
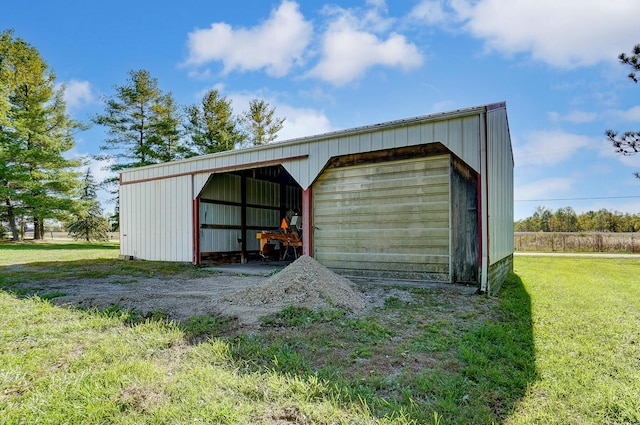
column 545, row 148
column 299, row 122
column 630, row 115
column 275, row 45
column 576, row 117
column 548, row 188
column 349, row 48
column 431, row 12
column 564, row 33
column 302, row 122
column 78, row 94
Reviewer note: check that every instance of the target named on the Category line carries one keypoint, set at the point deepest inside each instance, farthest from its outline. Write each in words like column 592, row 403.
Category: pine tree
column 140, row 121
column 166, row 135
column 260, row 123
column 89, row 224
column 211, row 126
column 36, row 180
column 142, row 126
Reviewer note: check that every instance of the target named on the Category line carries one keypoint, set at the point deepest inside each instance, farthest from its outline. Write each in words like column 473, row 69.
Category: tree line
column 144, row 125
column 566, row 220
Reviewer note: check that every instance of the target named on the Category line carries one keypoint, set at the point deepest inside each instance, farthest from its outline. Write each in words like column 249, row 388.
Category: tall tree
column 36, row 180
column 628, row 143
column 211, row 126
column 142, row 127
column 260, row 123
column 141, row 122
column 166, row 135
column 88, row 222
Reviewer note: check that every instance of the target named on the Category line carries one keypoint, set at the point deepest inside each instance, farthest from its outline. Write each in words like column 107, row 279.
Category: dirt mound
column 303, row 283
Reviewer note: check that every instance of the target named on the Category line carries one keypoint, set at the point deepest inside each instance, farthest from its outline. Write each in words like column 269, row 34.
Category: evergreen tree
column 211, row 126
column 166, row 136
column 35, row 131
column 142, row 126
column 260, row 123
column 141, row 122
column 89, row 224
column 629, row 142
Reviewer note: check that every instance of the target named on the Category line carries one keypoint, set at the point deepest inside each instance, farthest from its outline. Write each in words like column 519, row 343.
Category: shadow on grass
column 498, row 356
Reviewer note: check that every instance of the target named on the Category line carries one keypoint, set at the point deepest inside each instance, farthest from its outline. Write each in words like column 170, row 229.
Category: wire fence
column 577, row 242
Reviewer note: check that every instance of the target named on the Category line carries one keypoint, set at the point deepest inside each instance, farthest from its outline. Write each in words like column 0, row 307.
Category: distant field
column 577, row 242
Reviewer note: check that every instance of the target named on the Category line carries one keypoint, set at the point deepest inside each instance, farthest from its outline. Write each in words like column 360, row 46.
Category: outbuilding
column 424, row 198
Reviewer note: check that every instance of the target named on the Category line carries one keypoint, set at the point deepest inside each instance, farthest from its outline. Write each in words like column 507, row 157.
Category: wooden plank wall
column 389, row 219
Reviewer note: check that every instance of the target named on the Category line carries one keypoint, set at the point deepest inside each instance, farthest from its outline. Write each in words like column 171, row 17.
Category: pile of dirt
column 303, row 283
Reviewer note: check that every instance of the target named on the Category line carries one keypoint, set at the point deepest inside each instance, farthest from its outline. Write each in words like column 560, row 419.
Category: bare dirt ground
column 230, row 292
column 177, row 297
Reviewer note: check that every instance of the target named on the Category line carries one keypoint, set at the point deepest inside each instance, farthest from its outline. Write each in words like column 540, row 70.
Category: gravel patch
column 303, row 283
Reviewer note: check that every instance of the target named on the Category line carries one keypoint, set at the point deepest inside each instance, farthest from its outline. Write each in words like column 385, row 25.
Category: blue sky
column 335, row 65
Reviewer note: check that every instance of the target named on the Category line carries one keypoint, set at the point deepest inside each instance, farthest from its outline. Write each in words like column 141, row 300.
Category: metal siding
column 454, row 139
column 387, row 218
column 227, row 188
column 156, row 219
column 457, row 132
column 199, row 181
column 222, row 187
column 401, row 137
column 500, row 173
column 376, row 141
column 413, row 134
column 441, row 133
column 470, row 136
column 464, row 138
column 427, row 133
column 388, row 138
column 364, row 142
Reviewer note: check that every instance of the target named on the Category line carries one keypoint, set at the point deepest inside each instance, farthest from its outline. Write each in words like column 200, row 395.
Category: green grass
column 586, row 320
column 560, row 344
column 29, row 261
column 55, row 251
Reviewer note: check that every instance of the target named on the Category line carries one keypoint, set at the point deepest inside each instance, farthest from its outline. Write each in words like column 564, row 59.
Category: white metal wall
column 389, row 219
column 156, row 220
column 500, row 185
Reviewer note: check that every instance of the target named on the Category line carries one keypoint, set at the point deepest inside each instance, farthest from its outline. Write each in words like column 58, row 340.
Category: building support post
column 196, row 231
column 484, row 207
column 243, row 219
column 307, row 222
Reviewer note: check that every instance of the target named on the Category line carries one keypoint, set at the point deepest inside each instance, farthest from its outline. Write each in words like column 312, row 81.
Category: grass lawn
column 56, row 251
column 560, row 344
column 586, row 324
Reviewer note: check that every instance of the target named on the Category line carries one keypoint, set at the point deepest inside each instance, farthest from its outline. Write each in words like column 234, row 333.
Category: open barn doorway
column 234, row 207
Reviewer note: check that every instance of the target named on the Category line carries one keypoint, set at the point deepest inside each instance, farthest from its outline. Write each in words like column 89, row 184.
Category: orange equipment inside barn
column 287, row 236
